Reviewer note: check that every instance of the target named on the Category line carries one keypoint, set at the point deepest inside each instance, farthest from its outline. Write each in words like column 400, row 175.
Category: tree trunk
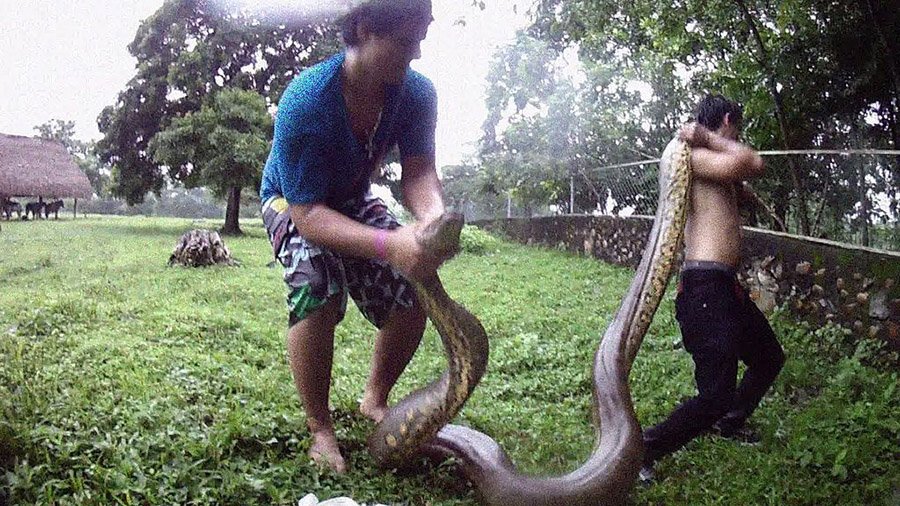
column 817, row 217
column 890, row 57
column 201, row 248
column 772, row 84
column 756, row 203
column 232, row 212
column 571, row 193
column 894, row 123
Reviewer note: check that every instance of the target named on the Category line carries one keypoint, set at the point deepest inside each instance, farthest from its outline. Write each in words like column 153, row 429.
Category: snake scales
column 417, row 422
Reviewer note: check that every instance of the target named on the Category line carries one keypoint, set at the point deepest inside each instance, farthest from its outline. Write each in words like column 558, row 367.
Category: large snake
column 417, row 422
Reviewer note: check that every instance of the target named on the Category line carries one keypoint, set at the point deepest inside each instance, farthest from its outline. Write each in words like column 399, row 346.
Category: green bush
column 476, row 241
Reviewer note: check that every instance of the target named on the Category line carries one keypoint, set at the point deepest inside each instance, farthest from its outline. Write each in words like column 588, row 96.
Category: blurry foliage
column 187, row 52
column 810, row 74
column 476, row 241
column 175, row 202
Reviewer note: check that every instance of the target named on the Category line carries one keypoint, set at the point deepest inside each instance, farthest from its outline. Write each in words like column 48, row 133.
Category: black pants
column 719, row 326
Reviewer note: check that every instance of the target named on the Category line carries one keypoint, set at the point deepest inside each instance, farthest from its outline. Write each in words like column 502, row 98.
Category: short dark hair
column 712, row 109
column 382, row 17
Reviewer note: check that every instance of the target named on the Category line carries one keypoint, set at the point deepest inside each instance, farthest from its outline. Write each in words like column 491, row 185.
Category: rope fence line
column 625, row 189
column 871, row 152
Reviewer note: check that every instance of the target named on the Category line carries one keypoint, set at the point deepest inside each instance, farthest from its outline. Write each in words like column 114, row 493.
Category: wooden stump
column 201, row 248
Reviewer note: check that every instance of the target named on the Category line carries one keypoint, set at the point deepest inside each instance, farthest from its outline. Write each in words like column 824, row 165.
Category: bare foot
column 372, row 410
column 325, row 451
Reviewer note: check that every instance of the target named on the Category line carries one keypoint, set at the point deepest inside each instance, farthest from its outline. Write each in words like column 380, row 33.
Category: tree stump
column 201, row 248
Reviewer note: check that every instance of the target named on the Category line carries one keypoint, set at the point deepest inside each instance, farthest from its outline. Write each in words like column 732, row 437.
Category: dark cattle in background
column 11, row 206
column 34, row 208
column 53, row 207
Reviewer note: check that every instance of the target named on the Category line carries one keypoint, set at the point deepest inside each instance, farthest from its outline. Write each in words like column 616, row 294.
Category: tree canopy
column 188, row 52
column 810, row 74
column 223, row 147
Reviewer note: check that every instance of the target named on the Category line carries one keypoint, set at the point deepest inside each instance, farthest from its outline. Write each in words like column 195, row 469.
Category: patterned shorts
column 313, row 274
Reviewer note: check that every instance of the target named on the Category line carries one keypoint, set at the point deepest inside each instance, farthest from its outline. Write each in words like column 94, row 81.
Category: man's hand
column 719, row 158
column 695, row 134
column 407, row 255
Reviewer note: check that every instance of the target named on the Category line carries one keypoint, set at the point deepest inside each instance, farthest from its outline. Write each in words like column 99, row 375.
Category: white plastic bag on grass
column 312, row 500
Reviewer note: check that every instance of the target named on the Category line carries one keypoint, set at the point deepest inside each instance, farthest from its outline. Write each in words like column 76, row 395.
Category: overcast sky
column 68, row 60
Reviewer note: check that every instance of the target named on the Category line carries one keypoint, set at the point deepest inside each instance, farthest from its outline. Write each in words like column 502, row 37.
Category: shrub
column 476, row 241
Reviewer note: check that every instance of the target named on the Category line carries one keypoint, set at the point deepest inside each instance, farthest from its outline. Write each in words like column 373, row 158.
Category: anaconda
column 418, row 421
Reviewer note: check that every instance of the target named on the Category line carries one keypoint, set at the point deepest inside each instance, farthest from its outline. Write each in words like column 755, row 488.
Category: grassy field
column 123, row 381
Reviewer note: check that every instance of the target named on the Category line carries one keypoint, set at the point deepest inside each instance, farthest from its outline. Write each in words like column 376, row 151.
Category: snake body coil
column 608, row 475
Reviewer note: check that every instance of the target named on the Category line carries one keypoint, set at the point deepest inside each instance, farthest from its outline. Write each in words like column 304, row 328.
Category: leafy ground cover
column 123, row 381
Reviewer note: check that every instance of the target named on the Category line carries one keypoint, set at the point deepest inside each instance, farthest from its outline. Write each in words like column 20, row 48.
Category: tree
column 223, row 146
column 465, row 190
column 559, row 132
column 810, row 73
column 63, row 132
column 84, row 153
column 530, row 161
column 188, row 51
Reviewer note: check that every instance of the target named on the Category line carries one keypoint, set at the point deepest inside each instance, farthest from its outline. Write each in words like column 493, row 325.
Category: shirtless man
column 719, row 323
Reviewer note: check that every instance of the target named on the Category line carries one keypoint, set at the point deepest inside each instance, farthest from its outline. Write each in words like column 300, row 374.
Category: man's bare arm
column 422, row 195
column 324, row 226
column 421, row 188
column 720, row 159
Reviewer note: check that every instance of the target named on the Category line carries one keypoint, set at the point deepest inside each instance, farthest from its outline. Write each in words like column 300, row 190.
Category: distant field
column 123, row 381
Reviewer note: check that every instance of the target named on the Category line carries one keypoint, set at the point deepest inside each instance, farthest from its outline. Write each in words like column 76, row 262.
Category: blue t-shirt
column 315, row 157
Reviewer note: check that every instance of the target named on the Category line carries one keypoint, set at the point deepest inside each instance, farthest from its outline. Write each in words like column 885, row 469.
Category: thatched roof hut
column 31, row 167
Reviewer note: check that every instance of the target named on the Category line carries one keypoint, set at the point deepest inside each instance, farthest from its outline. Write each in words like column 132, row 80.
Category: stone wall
column 819, row 280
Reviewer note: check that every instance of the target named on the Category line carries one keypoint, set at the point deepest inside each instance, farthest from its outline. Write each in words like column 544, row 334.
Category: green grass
column 123, row 381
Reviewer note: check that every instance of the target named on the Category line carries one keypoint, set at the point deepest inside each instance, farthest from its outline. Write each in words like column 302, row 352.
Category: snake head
column 441, row 236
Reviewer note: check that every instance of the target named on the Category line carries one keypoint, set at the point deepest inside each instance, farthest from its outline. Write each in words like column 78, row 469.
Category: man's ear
column 363, row 33
column 726, row 121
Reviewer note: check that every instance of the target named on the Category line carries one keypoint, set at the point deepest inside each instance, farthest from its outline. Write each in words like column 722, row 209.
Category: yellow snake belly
column 418, row 422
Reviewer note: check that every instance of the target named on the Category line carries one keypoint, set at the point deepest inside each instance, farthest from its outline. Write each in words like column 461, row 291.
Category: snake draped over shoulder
column 418, row 422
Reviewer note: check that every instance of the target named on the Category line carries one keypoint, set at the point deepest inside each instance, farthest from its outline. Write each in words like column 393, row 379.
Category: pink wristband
column 381, row 244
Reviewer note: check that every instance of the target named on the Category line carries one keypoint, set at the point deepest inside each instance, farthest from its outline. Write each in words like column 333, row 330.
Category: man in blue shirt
column 335, row 123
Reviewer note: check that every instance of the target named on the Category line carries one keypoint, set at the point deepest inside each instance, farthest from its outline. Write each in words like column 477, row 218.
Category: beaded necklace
column 370, row 135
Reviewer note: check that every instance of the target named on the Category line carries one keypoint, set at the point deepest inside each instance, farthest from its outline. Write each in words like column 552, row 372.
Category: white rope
column 889, row 152
column 875, row 152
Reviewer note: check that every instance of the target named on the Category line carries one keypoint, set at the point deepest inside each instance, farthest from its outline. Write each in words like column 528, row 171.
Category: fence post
column 571, row 194
column 864, row 204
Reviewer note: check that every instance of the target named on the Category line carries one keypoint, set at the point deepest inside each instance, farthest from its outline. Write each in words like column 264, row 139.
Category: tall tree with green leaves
column 556, row 132
column 530, row 160
column 223, row 146
column 187, row 52
column 809, row 72
column 465, row 190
